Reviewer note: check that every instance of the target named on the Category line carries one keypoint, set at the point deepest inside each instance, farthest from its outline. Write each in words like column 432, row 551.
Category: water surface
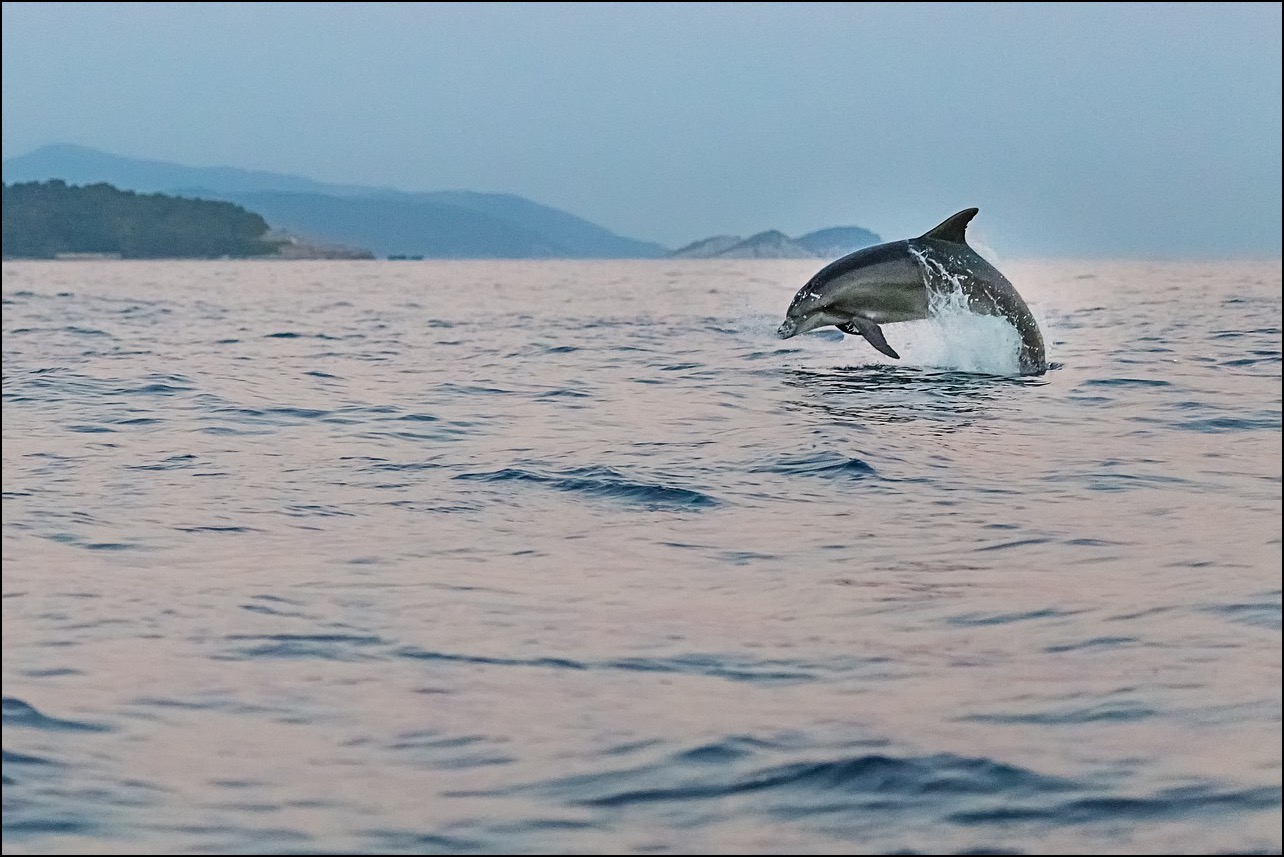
column 577, row 557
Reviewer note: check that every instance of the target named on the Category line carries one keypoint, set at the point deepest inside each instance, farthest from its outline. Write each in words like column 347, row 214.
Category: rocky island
column 56, row 220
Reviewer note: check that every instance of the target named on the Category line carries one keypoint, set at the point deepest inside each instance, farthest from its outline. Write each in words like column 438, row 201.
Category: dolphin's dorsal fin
column 953, row 229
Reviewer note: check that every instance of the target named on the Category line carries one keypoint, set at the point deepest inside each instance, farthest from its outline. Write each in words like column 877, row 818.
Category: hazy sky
column 1105, row 129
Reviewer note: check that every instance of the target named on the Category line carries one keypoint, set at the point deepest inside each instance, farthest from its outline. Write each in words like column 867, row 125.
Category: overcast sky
column 1145, row 129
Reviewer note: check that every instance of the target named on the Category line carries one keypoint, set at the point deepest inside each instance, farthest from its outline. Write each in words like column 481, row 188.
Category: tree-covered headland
column 44, row 219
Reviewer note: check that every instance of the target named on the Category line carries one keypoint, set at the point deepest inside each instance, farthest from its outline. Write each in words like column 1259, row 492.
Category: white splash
column 954, row 337
column 957, row 338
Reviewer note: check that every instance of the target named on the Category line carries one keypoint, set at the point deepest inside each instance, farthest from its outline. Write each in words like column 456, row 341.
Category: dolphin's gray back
column 883, row 283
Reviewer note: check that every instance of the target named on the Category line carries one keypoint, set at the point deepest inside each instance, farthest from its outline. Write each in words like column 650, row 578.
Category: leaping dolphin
column 896, row 282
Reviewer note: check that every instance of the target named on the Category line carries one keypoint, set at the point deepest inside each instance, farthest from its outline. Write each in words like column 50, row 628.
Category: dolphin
column 896, row 282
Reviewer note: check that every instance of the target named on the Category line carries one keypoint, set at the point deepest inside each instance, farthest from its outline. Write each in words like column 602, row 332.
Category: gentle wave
column 602, row 482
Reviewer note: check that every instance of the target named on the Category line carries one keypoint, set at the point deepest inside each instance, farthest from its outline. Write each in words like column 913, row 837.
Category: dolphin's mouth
column 787, row 328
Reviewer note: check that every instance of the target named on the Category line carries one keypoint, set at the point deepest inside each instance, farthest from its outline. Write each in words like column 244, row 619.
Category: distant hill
column 766, row 245
column 837, row 241
column 443, row 224
column 44, row 220
column 825, row 244
column 706, row 248
column 575, row 235
column 401, row 225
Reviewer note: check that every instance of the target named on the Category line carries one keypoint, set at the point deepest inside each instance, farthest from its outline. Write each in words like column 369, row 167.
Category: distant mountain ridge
column 706, row 248
column 401, row 225
column 825, row 244
column 772, row 244
column 82, row 165
column 441, row 224
column 437, row 224
column 838, row 241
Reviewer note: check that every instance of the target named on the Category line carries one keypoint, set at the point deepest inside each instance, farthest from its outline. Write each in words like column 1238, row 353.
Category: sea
column 577, row 557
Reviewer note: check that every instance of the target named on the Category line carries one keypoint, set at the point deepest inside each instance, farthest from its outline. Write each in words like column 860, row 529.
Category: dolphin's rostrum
column 896, row 282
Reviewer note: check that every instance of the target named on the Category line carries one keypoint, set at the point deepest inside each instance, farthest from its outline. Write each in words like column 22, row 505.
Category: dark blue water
column 577, row 557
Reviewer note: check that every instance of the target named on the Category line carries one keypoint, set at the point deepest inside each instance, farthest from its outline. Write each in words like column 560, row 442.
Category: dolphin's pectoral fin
column 872, row 332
